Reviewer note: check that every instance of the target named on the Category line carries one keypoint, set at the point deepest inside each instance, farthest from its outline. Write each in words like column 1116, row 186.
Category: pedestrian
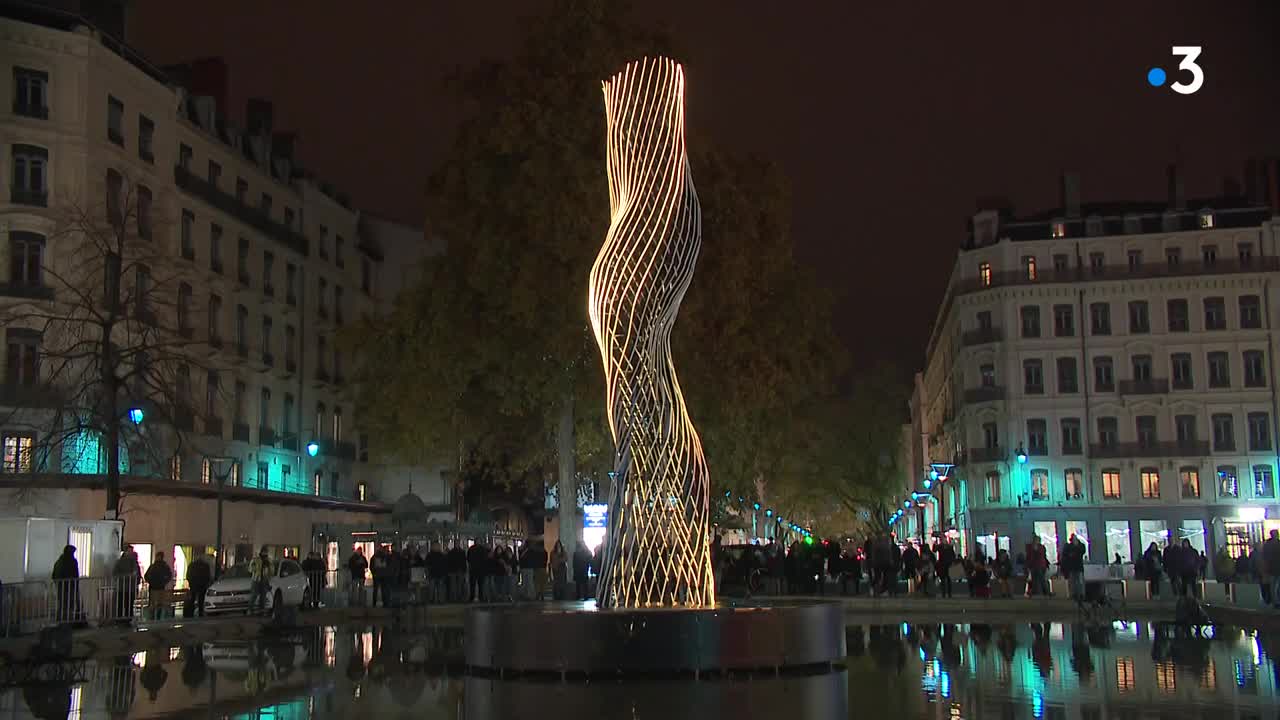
column 456, row 561
column 1271, row 560
column 1037, row 567
column 127, row 574
column 477, row 571
column 437, row 574
column 1003, row 572
column 498, row 575
column 910, row 560
column 357, row 566
column 581, row 571
column 559, row 572
column 980, row 579
column 1071, row 565
column 259, row 581
column 717, row 562
column 199, row 577
column 66, row 581
column 1190, row 569
column 1152, row 569
column 946, row 558
column 1171, row 558
column 158, row 577
column 851, row 571
column 379, row 568
column 313, row 566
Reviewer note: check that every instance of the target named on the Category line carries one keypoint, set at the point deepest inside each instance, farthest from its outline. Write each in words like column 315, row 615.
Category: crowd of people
column 1259, row 564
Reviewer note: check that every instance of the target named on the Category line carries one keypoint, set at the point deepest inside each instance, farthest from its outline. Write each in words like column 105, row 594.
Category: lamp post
column 220, row 467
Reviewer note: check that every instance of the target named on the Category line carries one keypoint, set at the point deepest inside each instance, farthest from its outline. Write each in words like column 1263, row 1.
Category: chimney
column 1177, row 192
column 1071, row 194
column 257, row 117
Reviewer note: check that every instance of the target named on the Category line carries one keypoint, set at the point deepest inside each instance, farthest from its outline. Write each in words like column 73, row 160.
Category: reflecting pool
column 935, row 671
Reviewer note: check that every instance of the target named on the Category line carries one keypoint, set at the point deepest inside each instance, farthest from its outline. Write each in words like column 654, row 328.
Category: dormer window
column 1058, row 229
column 1093, row 226
column 1206, row 219
column 1132, row 223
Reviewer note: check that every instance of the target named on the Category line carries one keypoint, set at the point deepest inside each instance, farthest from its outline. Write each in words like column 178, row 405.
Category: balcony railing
column 33, row 396
column 268, row 359
column 216, row 265
column 345, row 451
column 240, row 431
column 1221, row 266
column 266, row 435
column 1165, row 449
column 25, row 109
column 32, row 292
column 23, row 196
column 254, row 217
column 289, row 441
column 986, row 454
column 1150, row 386
column 992, row 393
column 981, row 336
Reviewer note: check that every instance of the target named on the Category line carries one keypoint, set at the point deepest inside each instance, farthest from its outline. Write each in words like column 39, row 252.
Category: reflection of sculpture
column 657, row 551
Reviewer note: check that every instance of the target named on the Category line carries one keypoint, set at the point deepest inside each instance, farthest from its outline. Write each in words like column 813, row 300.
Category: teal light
column 933, row 475
column 768, row 513
column 313, row 448
column 136, row 415
column 756, row 505
column 906, row 503
column 928, row 483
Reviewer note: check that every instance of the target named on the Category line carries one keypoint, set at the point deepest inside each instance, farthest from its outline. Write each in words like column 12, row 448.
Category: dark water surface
column 909, row 672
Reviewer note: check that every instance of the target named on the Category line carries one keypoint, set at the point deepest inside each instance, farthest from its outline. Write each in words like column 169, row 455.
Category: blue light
column 756, row 505
column 928, row 483
column 906, row 503
column 933, row 475
column 768, row 513
column 136, row 415
column 1037, row 704
column 313, row 448
column 1022, row 457
column 1156, row 77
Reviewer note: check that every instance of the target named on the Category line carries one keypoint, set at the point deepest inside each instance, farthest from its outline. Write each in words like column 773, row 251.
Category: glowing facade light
column 657, row 554
column 928, row 483
column 933, row 474
column 136, row 415
column 313, row 448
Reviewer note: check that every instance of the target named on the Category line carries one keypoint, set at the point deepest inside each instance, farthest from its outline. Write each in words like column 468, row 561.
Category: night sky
column 891, row 122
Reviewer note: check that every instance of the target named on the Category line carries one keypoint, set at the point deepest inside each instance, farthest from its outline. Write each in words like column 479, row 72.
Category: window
column 1111, row 484
column 1263, row 483
column 265, row 206
column 1064, row 324
column 1215, row 314
column 987, row 373
column 1139, row 318
column 323, row 244
column 290, row 348
column 267, row 359
column 186, row 235
column 315, row 483
column 184, row 309
column 1219, row 370
column 242, row 190
column 115, row 198
column 337, row 425
column 183, row 387
column 144, row 212
column 1259, row 431
column 264, row 409
column 990, row 435
column 175, row 468
column 1071, row 436
column 1068, row 378
column 18, row 452
column 184, row 157
column 206, row 471
column 337, row 365
column 288, row 414
column 1228, row 482
column 1245, row 251
column 1061, row 263
column 366, row 276
column 1033, row 377
column 1224, row 435
column 1037, row 434
column 264, row 476
column 1254, row 373
column 984, row 274
column 31, row 93
column 1179, row 315
column 983, row 318
column 1118, row 546
column 1103, row 375
column 1029, row 266
column 1135, row 260
column 211, row 385
column 1039, row 484
column 1185, row 429
column 1189, row 478
column 142, row 291
column 1073, row 484
column 1100, row 314
column 1180, row 364
column 1209, row 253
column 215, row 320
column 337, row 304
column 241, row 400
column 215, row 248
column 1206, row 219
column 1030, row 321
column 362, row 488
column 1058, row 229
column 146, row 138
column 288, row 217
column 30, row 176
column 26, row 257
column 1250, row 312
column 993, row 486
column 268, row 271
column 1146, row 427
column 1097, row 263
column 321, row 352
column 1093, row 226
column 242, row 266
column 1141, row 368
column 1173, row 256
column 1108, row 432
column 321, row 416
column 1150, row 483
column 242, row 330
column 115, row 121
column 215, row 173
column 291, row 284
column 321, row 306
column 339, row 243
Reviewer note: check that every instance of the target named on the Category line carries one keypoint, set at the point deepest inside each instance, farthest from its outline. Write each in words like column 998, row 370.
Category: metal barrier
column 27, row 607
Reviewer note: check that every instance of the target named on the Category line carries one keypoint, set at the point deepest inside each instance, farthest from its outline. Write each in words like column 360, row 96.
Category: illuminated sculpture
column 658, row 549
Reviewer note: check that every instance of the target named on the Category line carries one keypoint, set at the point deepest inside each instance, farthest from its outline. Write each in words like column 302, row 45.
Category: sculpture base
column 580, row 639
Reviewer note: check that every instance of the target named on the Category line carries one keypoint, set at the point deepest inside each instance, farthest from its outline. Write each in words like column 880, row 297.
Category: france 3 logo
column 1156, row 77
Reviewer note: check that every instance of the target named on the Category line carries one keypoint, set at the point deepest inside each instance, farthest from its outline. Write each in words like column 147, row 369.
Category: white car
column 233, row 591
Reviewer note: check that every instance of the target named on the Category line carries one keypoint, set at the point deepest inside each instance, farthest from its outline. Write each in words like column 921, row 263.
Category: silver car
column 233, row 591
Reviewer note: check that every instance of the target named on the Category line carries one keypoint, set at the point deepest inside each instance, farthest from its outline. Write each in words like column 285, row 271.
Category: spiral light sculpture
column 658, row 549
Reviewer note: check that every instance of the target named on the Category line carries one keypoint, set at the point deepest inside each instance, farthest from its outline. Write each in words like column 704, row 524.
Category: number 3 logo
column 1189, row 54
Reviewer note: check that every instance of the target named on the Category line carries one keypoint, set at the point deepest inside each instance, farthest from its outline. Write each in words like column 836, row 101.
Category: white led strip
column 658, row 548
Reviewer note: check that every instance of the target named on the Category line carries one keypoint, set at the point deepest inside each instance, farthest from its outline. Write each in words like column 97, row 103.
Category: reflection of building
column 266, row 263
column 1127, row 350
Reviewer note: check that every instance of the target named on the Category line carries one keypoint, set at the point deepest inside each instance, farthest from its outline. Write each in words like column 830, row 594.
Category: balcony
column 1185, row 268
column 290, row 366
column 187, row 332
column 213, row 426
column 266, row 436
column 40, row 395
column 147, row 156
column 991, row 393
column 244, row 278
column 268, row 359
column 115, row 136
column 215, row 342
column 345, row 451
column 183, row 419
column 289, row 441
column 23, row 196
column 1150, row 386
column 1167, row 449
column 240, row 431
column 202, row 189
column 269, row 291
column 981, row 336
column 985, row 454
column 216, row 265
column 242, row 350
column 188, row 252
column 26, row 109
column 30, row 292
column 322, row 375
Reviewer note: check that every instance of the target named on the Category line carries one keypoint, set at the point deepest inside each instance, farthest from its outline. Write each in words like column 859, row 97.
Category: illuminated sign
column 596, row 515
column 1251, row 514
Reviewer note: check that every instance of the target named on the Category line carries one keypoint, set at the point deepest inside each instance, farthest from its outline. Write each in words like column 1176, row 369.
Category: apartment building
column 1109, row 371
column 257, row 268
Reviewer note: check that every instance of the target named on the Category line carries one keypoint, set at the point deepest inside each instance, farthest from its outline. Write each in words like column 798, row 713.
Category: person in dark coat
column 1189, row 568
column 581, row 571
column 199, row 578
column 66, row 576
column 380, row 566
column 313, row 566
column 457, row 562
column 126, row 573
column 478, row 570
column 946, row 558
column 1171, row 558
column 357, row 566
column 158, row 577
column 437, row 574
column 1152, row 568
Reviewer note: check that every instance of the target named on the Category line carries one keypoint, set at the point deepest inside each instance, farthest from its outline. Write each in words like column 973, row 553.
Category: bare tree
column 108, row 330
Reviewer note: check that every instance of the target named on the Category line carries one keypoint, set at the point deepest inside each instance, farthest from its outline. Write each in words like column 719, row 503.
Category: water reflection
column 1028, row 670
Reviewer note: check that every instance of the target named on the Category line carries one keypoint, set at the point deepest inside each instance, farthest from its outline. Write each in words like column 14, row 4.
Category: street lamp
column 136, row 415
column 220, row 468
column 1022, row 454
column 313, row 448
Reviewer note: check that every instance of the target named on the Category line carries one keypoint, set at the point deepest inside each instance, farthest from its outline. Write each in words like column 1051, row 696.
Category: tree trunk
column 567, row 489
column 111, row 412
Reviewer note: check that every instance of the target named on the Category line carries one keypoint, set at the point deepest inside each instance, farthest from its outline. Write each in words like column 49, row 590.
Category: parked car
column 232, row 592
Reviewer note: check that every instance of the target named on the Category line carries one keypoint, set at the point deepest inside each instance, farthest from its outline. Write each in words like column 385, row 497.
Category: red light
column 826, row 542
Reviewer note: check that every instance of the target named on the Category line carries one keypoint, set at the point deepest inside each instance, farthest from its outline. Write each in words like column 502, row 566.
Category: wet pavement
column 935, row 671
